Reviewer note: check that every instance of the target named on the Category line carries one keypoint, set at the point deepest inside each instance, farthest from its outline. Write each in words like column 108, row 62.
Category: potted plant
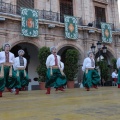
column 104, row 72
column 113, row 63
column 41, row 69
column 71, row 66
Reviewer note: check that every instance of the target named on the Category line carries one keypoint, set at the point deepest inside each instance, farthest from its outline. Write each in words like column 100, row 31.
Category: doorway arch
column 107, row 56
column 103, row 60
column 31, row 54
column 62, row 51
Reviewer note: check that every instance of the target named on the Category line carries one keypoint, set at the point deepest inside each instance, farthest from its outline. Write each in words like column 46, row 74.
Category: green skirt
column 7, row 81
column 118, row 81
column 91, row 78
column 22, row 80
column 56, row 80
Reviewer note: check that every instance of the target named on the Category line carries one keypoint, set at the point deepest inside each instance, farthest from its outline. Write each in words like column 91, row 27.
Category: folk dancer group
column 91, row 77
column 14, row 75
column 56, row 77
column 12, row 70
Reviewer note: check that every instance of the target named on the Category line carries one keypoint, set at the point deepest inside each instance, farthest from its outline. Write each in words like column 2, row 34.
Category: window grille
column 24, row 3
column 100, row 16
column 66, row 8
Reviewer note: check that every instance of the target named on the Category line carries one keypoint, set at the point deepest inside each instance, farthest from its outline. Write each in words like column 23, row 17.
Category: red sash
column 115, row 79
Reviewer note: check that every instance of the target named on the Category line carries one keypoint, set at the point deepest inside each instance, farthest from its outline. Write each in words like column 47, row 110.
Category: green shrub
column 71, row 63
column 104, row 69
column 113, row 63
column 44, row 52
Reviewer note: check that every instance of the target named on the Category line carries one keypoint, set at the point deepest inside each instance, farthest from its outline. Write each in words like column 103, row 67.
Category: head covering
column 89, row 52
column 4, row 45
column 51, row 49
column 19, row 51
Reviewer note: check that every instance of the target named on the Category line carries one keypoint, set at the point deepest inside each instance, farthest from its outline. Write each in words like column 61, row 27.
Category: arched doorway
column 62, row 53
column 107, row 56
column 103, row 60
column 31, row 54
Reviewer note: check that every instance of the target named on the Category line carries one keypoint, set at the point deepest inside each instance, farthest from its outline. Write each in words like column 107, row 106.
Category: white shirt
column 61, row 65
column 118, row 63
column 87, row 63
column 114, row 75
column 17, row 63
column 51, row 61
column 3, row 57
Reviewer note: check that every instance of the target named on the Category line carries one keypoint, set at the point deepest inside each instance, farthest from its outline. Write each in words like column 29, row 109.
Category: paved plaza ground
column 73, row 104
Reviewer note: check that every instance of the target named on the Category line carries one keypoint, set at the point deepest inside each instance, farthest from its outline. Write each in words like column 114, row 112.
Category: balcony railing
column 7, row 8
column 43, row 14
column 49, row 15
column 97, row 24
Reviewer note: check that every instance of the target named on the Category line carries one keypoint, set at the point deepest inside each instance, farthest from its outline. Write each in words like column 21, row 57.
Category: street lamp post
column 100, row 49
column 93, row 48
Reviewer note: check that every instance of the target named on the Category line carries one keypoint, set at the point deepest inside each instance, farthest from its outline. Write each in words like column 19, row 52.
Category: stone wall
column 10, row 29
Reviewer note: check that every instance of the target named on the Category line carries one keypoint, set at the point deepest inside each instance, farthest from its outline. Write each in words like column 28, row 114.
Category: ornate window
column 24, row 3
column 100, row 16
column 66, row 8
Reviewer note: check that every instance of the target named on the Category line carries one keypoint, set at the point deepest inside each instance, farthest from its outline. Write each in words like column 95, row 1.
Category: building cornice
column 101, row 1
column 56, row 24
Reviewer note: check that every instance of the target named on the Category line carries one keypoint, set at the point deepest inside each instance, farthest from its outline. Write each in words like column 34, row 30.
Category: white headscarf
column 19, row 51
column 5, row 45
column 89, row 52
column 51, row 49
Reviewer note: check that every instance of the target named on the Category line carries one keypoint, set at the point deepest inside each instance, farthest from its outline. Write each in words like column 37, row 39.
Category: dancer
column 7, row 75
column 62, row 71
column 114, row 78
column 55, row 76
column 19, row 66
column 91, row 77
column 118, row 66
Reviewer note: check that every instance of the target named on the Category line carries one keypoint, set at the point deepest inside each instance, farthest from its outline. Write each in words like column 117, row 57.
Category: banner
column 29, row 22
column 71, row 27
column 106, row 33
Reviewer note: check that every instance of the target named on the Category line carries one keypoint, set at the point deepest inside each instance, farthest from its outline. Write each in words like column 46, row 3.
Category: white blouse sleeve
column 118, row 63
column 62, row 66
column 48, row 61
column 84, row 64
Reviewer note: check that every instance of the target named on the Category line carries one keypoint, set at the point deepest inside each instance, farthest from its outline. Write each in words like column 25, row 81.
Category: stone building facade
column 89, row 14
